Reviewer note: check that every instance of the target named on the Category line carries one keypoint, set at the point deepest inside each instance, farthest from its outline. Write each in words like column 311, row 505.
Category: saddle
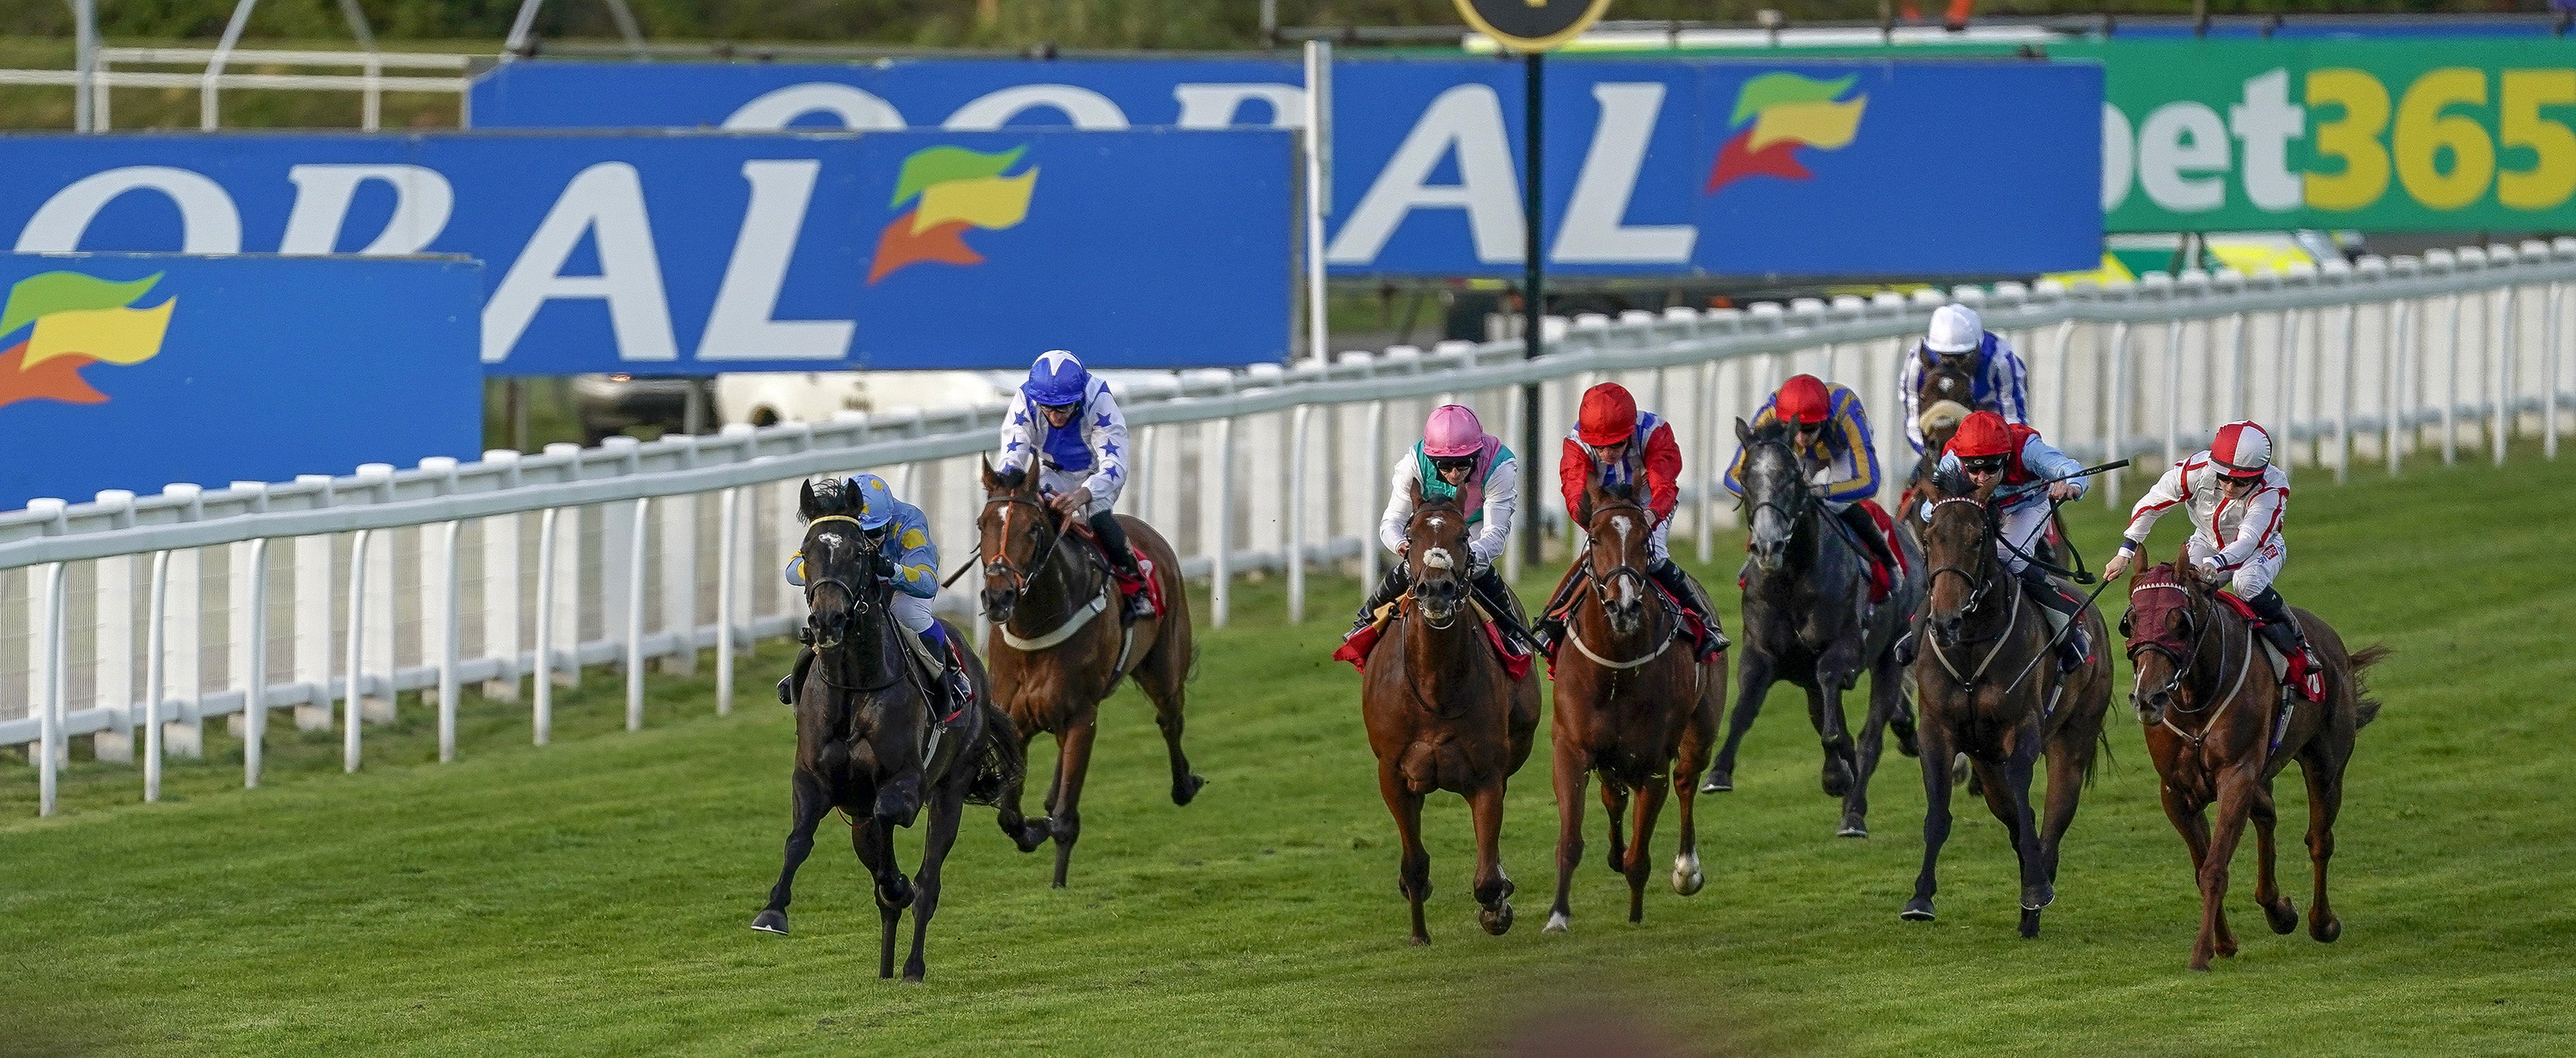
column 1688, row 623
column 1355, row 649
column 932, row 672
column 1882, row 578
column 2295, row 676
column 1145, row 584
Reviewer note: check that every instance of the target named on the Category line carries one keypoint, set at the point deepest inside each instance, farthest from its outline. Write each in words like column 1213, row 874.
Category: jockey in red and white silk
column 1456, row 459
column 1633, row 449
column 2235, row 497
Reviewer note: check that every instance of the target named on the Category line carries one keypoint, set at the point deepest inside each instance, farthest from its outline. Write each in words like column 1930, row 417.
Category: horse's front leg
column 874, row 842
column 1935, row 745
column 1753, row 683
column 1413, row 862
column 2235, row 802
column 1825, row 711
column 1650, row 802
column 1570, row 778
column 947, row 810
column 2278, row 912
column 808, row 803
column 1493, row 887
column 1025, row 833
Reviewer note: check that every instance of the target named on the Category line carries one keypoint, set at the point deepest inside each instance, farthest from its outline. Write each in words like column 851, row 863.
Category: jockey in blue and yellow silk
column 1828, row 432
column 901, row 532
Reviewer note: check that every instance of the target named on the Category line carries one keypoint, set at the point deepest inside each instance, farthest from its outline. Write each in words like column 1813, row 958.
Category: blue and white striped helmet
column 1057, row 378
column 876, row 501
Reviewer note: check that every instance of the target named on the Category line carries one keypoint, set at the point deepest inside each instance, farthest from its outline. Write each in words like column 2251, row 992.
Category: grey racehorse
column 1808, row 619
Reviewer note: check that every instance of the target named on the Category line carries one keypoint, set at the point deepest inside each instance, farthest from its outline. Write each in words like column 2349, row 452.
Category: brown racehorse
column 1443, row 714
column 2207, row 694
column 1986, row 680
column 1633, row 702
column 1061, row 648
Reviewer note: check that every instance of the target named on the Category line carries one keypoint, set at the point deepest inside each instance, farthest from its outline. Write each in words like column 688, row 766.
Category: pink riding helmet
column 1452, row 431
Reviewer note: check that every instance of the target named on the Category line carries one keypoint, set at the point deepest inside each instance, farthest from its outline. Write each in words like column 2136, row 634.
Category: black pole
column 1533, row 307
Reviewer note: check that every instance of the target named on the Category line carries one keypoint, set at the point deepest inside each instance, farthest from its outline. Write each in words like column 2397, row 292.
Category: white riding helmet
column 2242, row 449
column 1955, row 329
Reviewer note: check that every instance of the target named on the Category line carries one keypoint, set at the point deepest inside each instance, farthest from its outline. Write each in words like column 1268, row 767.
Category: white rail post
column 679, row 594
column 542, row 715
column 2451, row 392
column 447, row 631
column 501, row 587
column 2285, row 356
column 2549, row 349
column 1220, row 585
column 2115, row 415
column 2238, row 330
column 566, row 614
column 2393, row 322
column 207, row 119
column 635, row 617
column 381, row 707
column 255, row 704
column 728, row 540
column 316, row 583
column 2173, row 392
column 2501, row 379
column 239, row 571
column 2343, row 391
column 48, row 639
column 115, row 638
column 352, row 703
column 1296, row 513
column 1708, row 447
column 184, row 673
column 155, row 666
column 1374, row 474
column 1318, row 143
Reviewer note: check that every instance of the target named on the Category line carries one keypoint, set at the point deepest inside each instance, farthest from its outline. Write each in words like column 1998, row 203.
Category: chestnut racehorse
column 1988, row 686
column 2208, row 695
column 1443, row 714
column 1633, row 703
column 1061, row 648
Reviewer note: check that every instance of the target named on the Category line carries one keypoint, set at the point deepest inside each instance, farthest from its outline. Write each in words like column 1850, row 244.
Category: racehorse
column 1808, row 619
column 1945, row 391
column 867, row 739
column 1988, row 686
column 1062, row 648
column 2206, row 693
column 1443, row 713
column 1633, row 703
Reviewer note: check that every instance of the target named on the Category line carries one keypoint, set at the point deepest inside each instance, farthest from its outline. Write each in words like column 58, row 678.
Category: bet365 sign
column 2417, row 135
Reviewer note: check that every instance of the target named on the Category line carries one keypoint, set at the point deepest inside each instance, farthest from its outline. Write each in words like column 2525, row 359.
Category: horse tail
column 1000, row 762
column 1191, row 674
column 2365, row 708
column 2102, row 754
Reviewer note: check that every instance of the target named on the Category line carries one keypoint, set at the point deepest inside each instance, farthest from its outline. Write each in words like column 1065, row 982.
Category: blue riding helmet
column 1057, row 378
column 876, row 501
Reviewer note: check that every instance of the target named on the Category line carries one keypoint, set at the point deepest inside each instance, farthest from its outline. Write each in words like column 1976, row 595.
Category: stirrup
column 786, row 690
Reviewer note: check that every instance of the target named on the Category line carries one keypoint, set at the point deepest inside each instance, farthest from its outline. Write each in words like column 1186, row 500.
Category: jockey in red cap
column 1456, row 458
column 2025, row 473
column 1832, row 437
column 2235, row 496
column 1623, row 446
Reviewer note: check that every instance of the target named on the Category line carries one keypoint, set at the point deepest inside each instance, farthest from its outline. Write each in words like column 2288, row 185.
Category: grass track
column 591, row 897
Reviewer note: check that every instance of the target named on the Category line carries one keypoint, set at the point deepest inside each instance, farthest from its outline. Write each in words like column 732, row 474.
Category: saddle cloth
column 1355, row 649
column 2312, row 690
column 1148, row 585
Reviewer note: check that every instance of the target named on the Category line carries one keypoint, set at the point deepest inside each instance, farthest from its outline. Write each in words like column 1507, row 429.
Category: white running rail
column 519, row 571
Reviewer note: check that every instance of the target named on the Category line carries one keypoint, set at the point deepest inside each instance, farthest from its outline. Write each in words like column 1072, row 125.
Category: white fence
column 131, row 618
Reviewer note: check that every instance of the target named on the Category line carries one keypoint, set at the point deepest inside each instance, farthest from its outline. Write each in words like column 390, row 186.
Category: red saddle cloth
column 1882, row 579
column 1356, row 648
column 1693, row 628
column 1127, row 587
column 2310, row 685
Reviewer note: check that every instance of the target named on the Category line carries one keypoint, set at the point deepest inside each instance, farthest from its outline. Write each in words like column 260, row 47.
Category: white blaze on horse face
column 1620, row 524
column 1627, row 593
column 1437, row 558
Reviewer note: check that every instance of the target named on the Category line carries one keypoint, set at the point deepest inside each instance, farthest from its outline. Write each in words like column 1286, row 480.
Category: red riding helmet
column 1608, row 415
column 1981, row 434
column 1803, row 400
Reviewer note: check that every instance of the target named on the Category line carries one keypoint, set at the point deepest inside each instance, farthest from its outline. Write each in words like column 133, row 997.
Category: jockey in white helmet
column 1065, row 422
column 2235, row 497
column 1997, row 380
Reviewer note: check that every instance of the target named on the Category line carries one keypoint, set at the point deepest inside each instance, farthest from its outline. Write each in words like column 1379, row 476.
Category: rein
column 858, row 605
column 1601, row 586
column 2183, row 666
column 1075, row 617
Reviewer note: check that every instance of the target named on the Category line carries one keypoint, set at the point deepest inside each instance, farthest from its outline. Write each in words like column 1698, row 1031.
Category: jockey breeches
column 1058, row 482
column 2023, row 525
column 912, row 612
column 2256, row 574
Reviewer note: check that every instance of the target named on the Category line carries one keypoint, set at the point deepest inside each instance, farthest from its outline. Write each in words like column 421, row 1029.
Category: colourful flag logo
column 77, row 320
column 1785, row 112
column 958, row 189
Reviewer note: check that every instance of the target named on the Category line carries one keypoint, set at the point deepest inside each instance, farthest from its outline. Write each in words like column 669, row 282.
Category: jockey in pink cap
column 1456, row 458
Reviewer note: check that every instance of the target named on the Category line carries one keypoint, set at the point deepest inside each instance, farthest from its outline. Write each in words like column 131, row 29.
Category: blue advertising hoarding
column 133, row 371
column 654, row 253
column 1811, row 168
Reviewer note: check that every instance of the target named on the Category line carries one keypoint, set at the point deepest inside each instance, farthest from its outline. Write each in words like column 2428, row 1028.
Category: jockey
column 900, row 532
column 1623, row 446
column 1456, row 458
column 1958, row 338
column 2235, row 496
column 1831, row 435
column 1066, row 421
column 2026, row 474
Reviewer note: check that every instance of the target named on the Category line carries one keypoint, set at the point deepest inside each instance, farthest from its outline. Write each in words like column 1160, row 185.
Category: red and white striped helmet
column 2242, row 450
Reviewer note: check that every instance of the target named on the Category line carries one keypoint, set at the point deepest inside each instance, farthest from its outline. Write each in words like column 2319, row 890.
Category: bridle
column 999, row 565
column 2182, row 665
column 859, row 604
column 1802, row 500
column 1624, row 571
column 1456, row 573
column 1978, row 580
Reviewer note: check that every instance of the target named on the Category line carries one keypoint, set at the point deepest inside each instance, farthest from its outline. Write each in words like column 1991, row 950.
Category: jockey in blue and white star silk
column 902, row 533
column 1997, row 381
column 1065, row 424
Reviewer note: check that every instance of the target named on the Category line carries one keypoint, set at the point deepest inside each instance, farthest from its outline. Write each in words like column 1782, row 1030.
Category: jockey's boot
column 2065, row 617
column 1389, row 586
column 1551, row 617
column 1670, row 575
column 2307, row 676
column 1873, row 542
column 1904, row 646
column 1113, row 544
column 795, row 678
column 1488, row 586
column 957, row 690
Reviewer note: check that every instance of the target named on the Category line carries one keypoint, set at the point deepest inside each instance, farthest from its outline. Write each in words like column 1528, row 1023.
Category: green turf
column 591, row 897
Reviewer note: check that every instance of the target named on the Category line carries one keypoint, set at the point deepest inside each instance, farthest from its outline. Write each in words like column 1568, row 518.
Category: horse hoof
column 1903, row 729
column 2029, row 924
column 914, row 972
column 1556, row 922
column 1418, row 940
column 2047, row 895
column 1687, row 879
column 1918, row 909
column 770, row 922
column 1497, row 919
column 2282, row 917
column 2326, row 929
column 895, row 896
column 1031, row 834
column 1718, row 782
column 1852, row 830
column 1837, row 777
column 1187, row 788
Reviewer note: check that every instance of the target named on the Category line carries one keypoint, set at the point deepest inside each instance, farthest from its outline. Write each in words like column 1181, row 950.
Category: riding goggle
column 1063, row 409
column 1982, row 464
column 1446, row 464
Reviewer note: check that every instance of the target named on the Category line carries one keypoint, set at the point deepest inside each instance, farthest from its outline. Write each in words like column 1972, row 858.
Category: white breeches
column 912, row 612
column 1057, row 482
column 2255, row 575
column 2024, row 526
column 1659, row 543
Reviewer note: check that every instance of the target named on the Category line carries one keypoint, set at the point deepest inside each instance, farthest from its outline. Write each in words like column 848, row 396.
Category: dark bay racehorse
column 867, row 740
column 1061, row 648
column 1987, row 681
column 1633, row 703
column 1443, row 714
column 1808, row 620
column 1945, row 391
column 2209, row 698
